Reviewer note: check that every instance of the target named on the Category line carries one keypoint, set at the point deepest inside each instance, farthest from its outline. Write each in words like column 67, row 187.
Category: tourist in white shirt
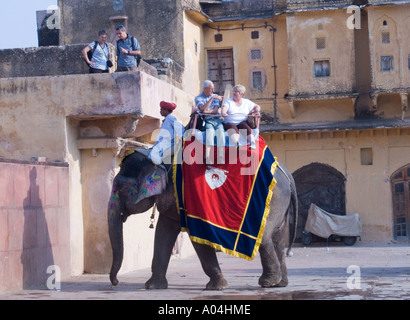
column 235, row 111
column 100, row 54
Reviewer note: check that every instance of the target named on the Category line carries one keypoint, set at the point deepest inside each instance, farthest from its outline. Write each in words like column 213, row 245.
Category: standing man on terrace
column 128, row 50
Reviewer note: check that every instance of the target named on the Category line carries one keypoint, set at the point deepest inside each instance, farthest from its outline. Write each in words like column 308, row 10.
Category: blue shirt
column 129, row 44
column 100, row 56
column 202, row 99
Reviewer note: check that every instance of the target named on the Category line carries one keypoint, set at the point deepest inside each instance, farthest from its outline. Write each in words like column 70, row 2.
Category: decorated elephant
column 134, row 192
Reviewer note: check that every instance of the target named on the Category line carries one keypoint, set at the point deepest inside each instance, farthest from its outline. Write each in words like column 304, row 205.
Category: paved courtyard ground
column 317, row 272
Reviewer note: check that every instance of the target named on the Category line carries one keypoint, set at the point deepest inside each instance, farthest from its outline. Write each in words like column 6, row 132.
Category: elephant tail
column 293, row 215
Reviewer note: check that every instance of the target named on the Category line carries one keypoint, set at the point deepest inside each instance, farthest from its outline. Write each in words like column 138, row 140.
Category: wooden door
column 322, row 185
column 401, row 203
column 221, row 69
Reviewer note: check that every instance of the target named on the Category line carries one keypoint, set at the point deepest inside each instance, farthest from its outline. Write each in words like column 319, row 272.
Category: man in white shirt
column 171, row 129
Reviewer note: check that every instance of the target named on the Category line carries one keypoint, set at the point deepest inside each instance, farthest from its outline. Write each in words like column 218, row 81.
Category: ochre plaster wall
column 303, row 29
column 394, row 20
column 48, row 116
column 368, row 187
column 273, row 47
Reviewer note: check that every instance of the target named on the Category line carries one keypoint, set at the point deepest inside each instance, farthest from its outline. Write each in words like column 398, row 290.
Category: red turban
column 168, row 105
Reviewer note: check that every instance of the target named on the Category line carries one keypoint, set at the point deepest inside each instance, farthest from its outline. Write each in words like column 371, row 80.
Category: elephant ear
column 153, row 183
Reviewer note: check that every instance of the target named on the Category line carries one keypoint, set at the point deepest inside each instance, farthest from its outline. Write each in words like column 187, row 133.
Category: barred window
column 218, row 37
column 386, row 37
column 386, row 63
column 320, row 43
column 401, row 203
column 401, row 227
column 257, row 80
column 256, row 54
column 255, row 35
column 321, row 68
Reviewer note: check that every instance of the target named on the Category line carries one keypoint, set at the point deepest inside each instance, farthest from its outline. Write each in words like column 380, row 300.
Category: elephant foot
column 270, row 280
column 217, row 284
column 282, row 283
column 156, row 283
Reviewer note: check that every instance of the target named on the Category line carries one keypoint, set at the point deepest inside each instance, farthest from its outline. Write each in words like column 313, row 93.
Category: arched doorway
column 401, row 203
column 322, row 185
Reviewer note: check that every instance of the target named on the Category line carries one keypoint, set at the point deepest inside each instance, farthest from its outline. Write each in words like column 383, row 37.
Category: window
column 401, row 203
column 256, row 54
column 409, row 62
column 255, row 35
column 320, row 43
column 221, row 69
column 386, row 37
column 386, row 63
column 257, row 80
column 366, row 156
column 321, row 68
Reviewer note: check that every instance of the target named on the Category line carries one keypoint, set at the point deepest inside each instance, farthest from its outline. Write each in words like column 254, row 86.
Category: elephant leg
column 166, row 233
column 272, row 274
column 284, row 281
column 279, row 244
column 210, row 265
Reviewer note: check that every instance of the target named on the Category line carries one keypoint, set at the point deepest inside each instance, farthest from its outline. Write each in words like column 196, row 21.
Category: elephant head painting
column 130, row 196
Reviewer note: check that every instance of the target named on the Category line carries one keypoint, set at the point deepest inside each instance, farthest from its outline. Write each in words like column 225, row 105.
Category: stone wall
column 44, row 61
column 54, row 61
column 34, row 224
column 157, row 24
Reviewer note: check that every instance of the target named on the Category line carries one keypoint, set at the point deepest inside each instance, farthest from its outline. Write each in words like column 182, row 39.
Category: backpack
column 138, row 56
column 90, row 53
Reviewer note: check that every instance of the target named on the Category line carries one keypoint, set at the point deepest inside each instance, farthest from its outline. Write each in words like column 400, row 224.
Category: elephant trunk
column 115, row 232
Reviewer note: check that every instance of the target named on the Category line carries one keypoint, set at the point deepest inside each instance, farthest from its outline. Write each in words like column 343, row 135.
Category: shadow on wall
column 37, row 253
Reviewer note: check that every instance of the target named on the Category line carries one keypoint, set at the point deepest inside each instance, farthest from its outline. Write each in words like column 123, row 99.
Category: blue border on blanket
column 242, row 243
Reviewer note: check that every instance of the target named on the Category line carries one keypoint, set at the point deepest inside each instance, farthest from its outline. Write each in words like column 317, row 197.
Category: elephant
column 126, row 199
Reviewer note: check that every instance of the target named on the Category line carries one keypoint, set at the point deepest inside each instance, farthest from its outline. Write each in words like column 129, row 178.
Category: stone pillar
column 100, row 160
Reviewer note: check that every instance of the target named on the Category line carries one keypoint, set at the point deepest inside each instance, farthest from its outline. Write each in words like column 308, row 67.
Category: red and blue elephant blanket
column 225, row 205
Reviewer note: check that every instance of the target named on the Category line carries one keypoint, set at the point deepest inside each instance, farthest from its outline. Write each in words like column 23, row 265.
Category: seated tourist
column 235, row 111
column 208, row 105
